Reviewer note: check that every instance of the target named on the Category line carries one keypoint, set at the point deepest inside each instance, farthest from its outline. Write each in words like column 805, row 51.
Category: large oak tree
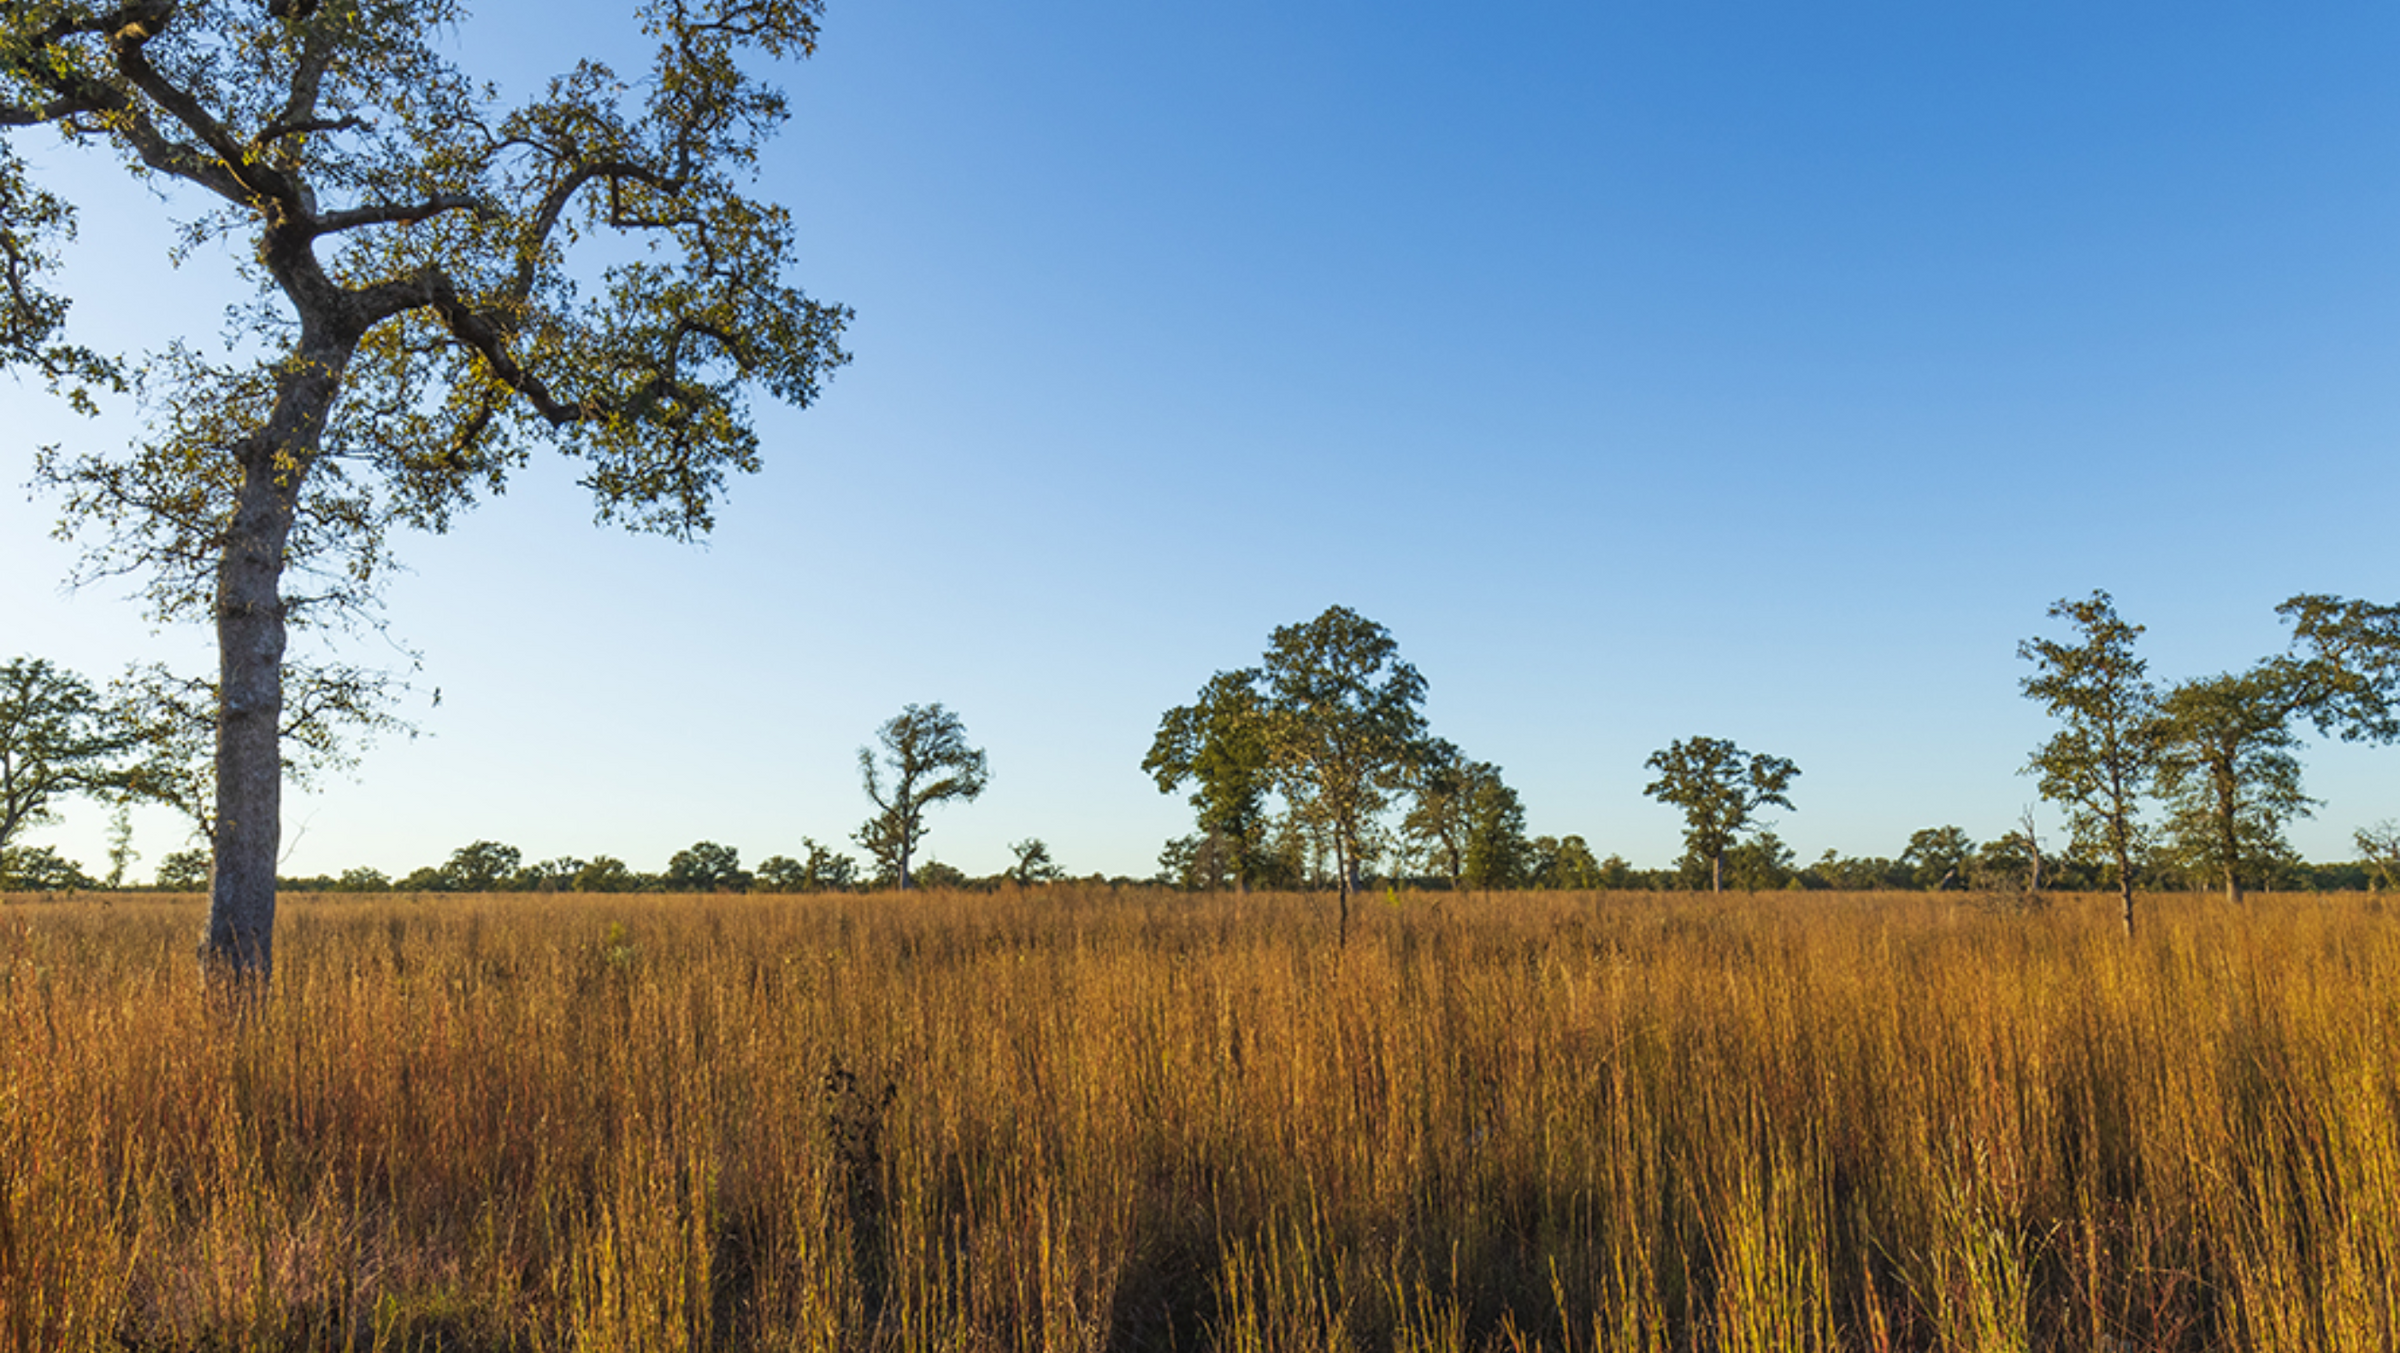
column 422, row 312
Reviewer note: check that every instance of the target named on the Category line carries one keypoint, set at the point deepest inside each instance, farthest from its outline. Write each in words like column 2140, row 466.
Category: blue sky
column 1650, row 370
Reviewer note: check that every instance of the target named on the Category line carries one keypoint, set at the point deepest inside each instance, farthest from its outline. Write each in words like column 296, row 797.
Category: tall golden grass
column 1069, row 1119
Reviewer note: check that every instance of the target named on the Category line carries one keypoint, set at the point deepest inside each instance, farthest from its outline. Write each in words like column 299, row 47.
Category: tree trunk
column 2125, row 886
column 1346, row 871
column 1716, row 872
column 240, row 943
column 239, row 946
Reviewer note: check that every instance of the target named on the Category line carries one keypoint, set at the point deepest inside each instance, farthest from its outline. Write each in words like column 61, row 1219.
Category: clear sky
column 1746, row 369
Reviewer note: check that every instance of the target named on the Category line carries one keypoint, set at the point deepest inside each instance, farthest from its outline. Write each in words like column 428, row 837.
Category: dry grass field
column 1079, row 1120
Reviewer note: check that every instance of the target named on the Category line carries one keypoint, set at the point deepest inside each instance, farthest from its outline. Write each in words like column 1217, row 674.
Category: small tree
column 480, row 867
column 1343, row 727
column 2107, row 751
column 2228, row 774
column 1497, row 856
column 1719, row 787
column 706, row 868
column 1220, row 745
column 1939, row 856
column 1034, row 864
column 928, row 761
column 1566, row 864
column 2379, row 846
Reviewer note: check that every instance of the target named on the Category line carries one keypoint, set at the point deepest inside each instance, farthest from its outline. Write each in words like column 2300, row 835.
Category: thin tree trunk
column 2125, row 885
column 1716, row 872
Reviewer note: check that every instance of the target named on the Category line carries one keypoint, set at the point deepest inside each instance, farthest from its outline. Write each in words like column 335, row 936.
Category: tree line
column 1315, row 768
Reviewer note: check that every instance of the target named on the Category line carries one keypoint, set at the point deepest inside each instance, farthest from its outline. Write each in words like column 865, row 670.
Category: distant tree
column 1565, row 864
column 1201, row 862
column 1220, row 745
column 926, row 754
column 1497, row 855
column 937, row 874
column 1343, row 726
column 606, row 874
column 121, row 853
column 553, row 875
column 706, row 868
column 1760, row 864
column 2227, row 772
column 825, row 870
column 1034, row 864
column 364, row 880
column 55, row 741
column 418, row 319
column 2011, row 862
column 781, row 874
column 1615, row 872
column 480, row 867
column 2107, row 752
column 1719, row 787
column 1441, row 790
column 1939, row 856
column 183, row 871
column 41, row 869
column 2379, row 846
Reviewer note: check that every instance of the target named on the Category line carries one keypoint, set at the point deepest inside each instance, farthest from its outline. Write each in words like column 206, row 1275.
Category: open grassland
column 1066, row 1120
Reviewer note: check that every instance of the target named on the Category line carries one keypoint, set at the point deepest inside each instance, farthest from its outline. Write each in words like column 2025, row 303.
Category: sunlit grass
column 1065, row 1119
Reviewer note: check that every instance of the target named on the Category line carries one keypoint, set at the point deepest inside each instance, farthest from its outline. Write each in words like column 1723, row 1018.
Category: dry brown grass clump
column 1066, row 1119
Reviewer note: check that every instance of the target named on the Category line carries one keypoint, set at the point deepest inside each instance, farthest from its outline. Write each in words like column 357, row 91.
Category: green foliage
column 479, row 867
column 2228, row 773
column 1760, row 863
column 1034, row 864
column 414, row 250
column 936, row 874
column 706, row 868
column 1566, row 863
column 607, row 874
column 41, row 869
column 1497, row 855
column 184, row 871
column 2107, row 749
column 34, row 225
column 926, row 755
column 2347, row 665
column 1937, row 857
column 421, row 314
column 2379, row 846
column 819, row 870
column 1221, row 744
column 1343, row 729
column 55, row 740
column 1719, row 787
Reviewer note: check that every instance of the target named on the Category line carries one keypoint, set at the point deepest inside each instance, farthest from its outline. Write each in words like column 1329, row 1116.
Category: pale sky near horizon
column 1751, row 370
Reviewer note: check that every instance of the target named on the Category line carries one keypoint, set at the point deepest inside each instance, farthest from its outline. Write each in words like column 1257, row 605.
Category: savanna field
column 1070, row 1119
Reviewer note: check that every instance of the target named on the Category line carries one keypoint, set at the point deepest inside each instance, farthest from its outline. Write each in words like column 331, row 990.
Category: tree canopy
column 926, row 761
column 2106, row 751
column 1719, row 787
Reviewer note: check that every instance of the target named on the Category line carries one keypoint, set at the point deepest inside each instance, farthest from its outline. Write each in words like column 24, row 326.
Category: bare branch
column 396, row 213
